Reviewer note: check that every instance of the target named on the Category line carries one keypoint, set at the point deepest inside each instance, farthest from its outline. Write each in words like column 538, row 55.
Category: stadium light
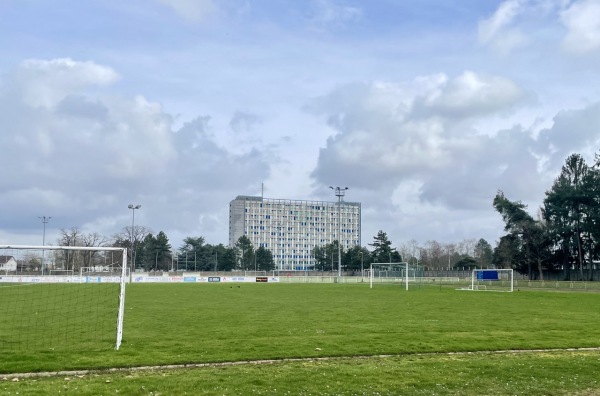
column 133, row 208
column 339, row 192
column 45, row 220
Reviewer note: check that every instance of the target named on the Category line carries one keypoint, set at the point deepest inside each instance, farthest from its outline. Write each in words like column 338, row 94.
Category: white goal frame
column 487, row 275
column 122, row 282
column 406, row 267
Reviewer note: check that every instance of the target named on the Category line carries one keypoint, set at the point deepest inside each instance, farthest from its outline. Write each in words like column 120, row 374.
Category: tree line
column 564, row 235
column 154, row 253
column 433, row 255
column 149, row 252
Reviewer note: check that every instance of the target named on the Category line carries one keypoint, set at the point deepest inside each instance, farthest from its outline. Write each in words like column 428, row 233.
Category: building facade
column 290, row 229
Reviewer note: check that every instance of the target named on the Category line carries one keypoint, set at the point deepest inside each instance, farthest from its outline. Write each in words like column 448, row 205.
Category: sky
column 423, row 109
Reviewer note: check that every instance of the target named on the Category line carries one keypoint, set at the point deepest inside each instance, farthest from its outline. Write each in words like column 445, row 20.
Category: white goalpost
column 401, row 273
column 51, row 301
column 498, row 279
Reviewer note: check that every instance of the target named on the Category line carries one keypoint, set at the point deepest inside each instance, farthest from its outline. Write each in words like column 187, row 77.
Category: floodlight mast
column 45, row 220
column 339, row 192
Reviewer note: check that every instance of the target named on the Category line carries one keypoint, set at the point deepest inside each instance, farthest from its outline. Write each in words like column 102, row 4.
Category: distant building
column 290, row 229
column 8, row 263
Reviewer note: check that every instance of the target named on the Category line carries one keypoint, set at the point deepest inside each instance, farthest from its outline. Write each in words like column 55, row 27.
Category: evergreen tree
column 245, row 252
column 383, row 251
column 264, row 259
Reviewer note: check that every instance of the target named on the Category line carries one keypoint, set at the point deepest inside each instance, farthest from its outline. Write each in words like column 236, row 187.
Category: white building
column 290, row 229
column 8, row 263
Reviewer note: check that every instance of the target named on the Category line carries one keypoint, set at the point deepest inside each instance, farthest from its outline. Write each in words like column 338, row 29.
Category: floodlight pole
column 45, row 220
column 362, row 274
column 339, row 192
column 133, row 208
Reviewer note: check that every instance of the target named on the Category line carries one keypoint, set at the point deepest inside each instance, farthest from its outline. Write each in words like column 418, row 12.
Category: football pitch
column 331, row 339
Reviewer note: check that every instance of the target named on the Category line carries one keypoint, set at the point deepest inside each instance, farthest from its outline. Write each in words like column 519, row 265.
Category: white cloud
column 472, row 95
column 582, row 20
column 329, row 14
column 381, row 145
column 180, row 119
column 426, row 162
column 496, row 31
column 192, row 10
column 45, row 82
column 78, row 153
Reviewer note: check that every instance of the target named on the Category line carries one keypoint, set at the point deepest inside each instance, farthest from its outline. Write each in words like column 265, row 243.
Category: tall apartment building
column 290, row 229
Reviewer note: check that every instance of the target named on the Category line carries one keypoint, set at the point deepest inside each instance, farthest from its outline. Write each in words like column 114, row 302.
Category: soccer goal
column 492, row 280
column 401, row 273
column 47, row 305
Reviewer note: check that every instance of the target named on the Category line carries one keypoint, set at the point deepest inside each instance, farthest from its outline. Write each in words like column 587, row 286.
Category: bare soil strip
column 80, row 373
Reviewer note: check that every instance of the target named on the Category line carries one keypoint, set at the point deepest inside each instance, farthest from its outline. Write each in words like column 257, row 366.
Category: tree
column 383, row 251
column 194, row 254
column 571, row 212
column 128, row 235
column 156, row 252
column 226, row 258
column 324, row 256
column 528, row 232
column 410, row 251
column 319, row 254
column 436, row 257
column 245, row 252
column 506, row 253
column 466, row 262
column 356, row 258
column 483, row 253
column 264, row 259
column 73, row 260
column 68, row 258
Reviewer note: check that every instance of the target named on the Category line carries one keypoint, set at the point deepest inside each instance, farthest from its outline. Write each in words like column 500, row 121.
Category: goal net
column 492, row 280
column 401, row 273
column 57, row 298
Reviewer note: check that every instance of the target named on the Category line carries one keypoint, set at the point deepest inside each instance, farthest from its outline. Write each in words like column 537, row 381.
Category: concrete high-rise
column 290, row 229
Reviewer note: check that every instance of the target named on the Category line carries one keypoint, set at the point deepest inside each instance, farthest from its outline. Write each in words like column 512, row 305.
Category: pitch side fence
column 520, row 283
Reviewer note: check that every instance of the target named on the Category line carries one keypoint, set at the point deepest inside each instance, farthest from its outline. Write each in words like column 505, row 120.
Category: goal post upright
column 121, row 315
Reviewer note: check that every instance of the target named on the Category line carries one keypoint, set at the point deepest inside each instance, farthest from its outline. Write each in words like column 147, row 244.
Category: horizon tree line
column 563, row 237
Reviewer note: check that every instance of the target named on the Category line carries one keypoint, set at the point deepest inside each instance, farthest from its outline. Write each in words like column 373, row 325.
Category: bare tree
column 137, row 234
column 435, row 254
column 410, row 251
column 451, row 253
column 466, row 247
column 73, row 260
column 65, row 259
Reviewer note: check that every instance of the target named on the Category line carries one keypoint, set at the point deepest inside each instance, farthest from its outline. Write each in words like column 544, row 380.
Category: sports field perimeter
column 425, row 330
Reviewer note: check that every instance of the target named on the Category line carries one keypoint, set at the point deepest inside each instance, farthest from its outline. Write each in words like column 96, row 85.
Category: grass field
column 204, row 323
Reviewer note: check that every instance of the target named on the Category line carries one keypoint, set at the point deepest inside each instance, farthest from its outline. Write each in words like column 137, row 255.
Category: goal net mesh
column 492, row 280
column 396, row 274
column 47, row 305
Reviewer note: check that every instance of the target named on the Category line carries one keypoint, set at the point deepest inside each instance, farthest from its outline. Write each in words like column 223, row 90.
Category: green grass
column 531, row 374
column 200, row 323
column 57, row 316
